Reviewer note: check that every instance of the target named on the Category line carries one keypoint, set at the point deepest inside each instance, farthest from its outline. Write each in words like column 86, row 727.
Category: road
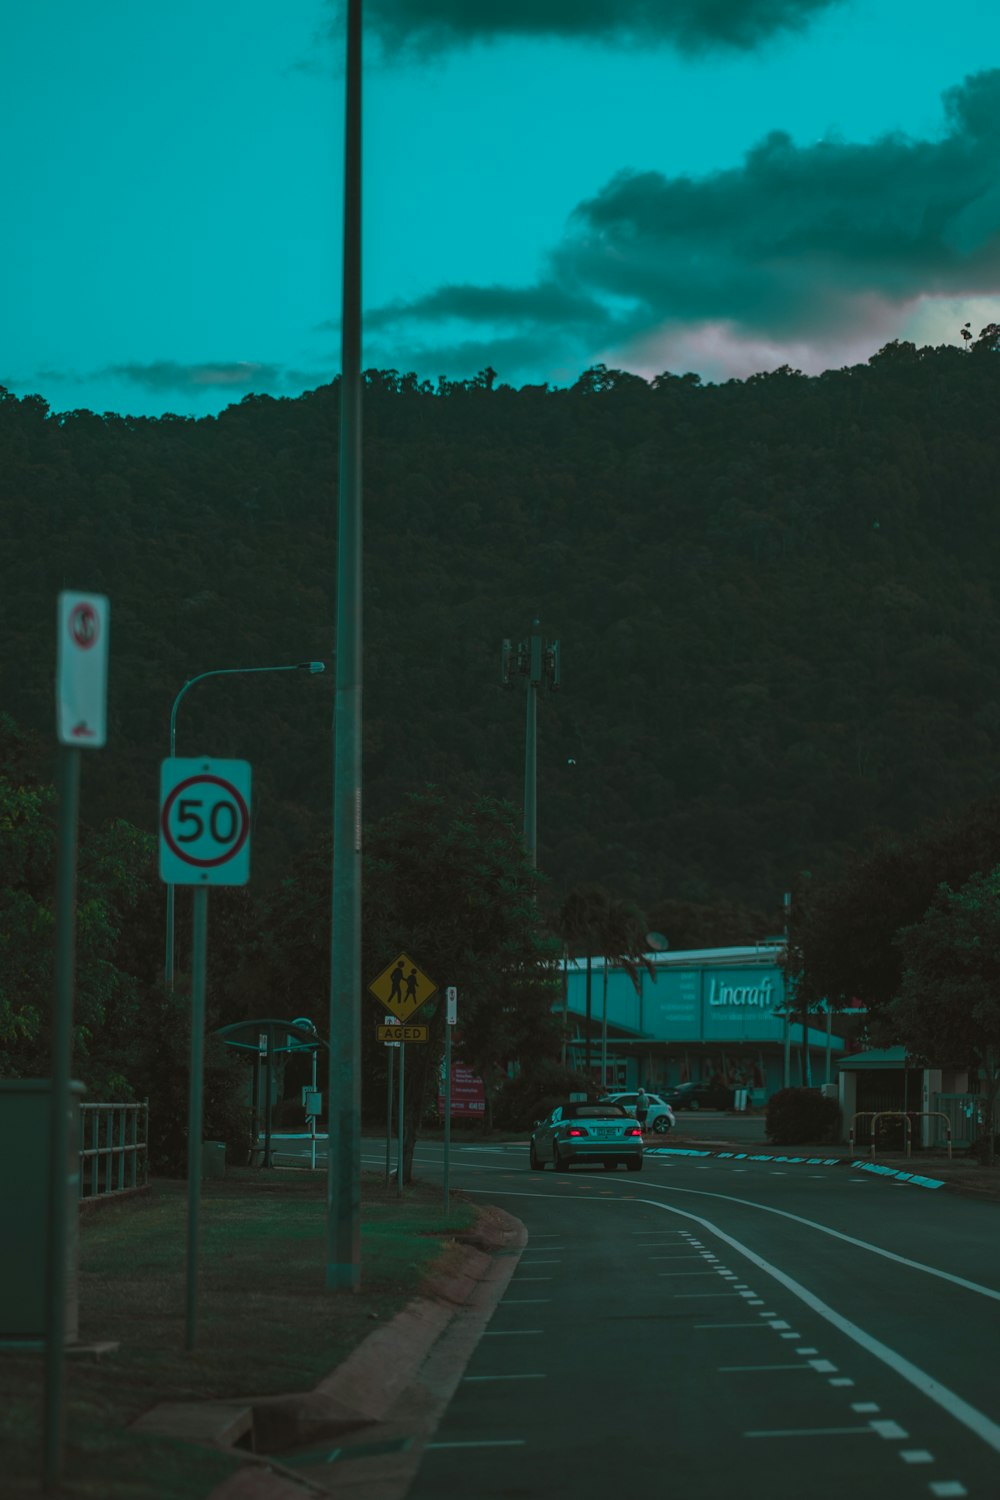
column 715, row 1328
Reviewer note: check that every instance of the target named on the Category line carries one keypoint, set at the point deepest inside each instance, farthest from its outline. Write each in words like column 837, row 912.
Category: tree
column 581, row 918
column 118, row 930
column 623, row 946
column 26, row 922
column 450, row 884
column 592, row 922
column 948, row 1006
column 842, row 930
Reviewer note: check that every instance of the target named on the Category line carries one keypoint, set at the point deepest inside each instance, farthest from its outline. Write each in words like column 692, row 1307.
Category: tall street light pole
column 538, row 662
column 298, row 666
column 343, row 1196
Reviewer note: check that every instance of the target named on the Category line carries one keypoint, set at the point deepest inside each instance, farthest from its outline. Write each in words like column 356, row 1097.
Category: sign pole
column 59, row 1117
column 312, row 1149
column 267, row 1097
column 447, row 1112
column 343, row 1190
column 82, row 624
column 204, row 840
column 451, row 1003
column 199, row 933
column 399, row 1150
column 388, row 1118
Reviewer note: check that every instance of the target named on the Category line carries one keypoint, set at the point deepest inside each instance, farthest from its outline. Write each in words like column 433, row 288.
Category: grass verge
column 265, row 1323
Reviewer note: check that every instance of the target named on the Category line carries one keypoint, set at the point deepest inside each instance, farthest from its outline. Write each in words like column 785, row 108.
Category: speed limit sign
column 205, row 822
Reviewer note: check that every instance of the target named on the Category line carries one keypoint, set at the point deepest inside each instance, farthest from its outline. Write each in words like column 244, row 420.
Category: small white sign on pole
column 82, row 622
column 451, row 999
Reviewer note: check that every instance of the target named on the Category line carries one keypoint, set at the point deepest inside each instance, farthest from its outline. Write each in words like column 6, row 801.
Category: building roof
column 889, row 1057
column 760, row 953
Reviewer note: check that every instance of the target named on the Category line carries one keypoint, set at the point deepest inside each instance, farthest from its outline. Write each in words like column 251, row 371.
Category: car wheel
column 694, row 1104
column 661, row 1125
column 561, row 1163
column 634, row 1164
column 536, row 1165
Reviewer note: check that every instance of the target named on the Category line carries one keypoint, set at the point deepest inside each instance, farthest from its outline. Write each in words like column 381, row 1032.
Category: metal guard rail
column 114, row 1154
column 907, row 1116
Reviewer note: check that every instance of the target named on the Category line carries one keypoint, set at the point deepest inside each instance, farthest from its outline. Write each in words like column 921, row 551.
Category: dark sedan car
column 698, row 1096
column 604, row 1133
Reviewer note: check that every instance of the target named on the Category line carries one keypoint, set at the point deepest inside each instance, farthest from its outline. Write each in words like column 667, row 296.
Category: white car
column 578, row 1131
column 659, row 1117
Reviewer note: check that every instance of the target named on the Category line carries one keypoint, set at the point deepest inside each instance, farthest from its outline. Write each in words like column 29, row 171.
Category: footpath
column 932, row 1170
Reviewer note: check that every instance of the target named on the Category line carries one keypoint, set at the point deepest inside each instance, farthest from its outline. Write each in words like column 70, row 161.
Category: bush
column 160, row 1071
column 520, row 1101
column 797, row 1115
column 980, row 1149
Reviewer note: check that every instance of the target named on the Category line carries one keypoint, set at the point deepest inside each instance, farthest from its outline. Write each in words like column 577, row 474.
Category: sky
column 718, row 186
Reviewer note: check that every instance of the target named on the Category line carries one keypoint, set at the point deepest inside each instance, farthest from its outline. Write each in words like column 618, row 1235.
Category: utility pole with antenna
column 538, row 661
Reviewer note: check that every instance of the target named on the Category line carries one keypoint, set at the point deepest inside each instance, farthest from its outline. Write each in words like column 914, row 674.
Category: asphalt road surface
column 723, row 1329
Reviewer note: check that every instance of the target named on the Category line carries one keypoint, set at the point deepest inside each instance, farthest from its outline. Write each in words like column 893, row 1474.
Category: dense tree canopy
column 948, row 1006
column 776, row 600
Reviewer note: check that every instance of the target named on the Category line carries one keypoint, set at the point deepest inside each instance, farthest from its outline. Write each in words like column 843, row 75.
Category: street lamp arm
column 298, row 666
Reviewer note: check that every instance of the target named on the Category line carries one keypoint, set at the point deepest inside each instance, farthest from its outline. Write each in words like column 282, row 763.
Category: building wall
column 715, row 1014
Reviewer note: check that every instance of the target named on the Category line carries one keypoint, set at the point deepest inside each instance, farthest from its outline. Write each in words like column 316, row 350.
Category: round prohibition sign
column 226, row 824
column 84, row 625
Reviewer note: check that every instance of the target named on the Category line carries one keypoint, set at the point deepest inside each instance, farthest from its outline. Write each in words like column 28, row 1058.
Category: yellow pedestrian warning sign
column 402, row 988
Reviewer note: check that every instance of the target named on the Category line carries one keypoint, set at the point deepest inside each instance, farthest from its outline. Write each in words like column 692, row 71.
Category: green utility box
column 24, row 1186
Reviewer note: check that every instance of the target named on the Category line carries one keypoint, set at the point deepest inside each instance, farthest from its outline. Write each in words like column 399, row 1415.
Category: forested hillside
column 776, row 600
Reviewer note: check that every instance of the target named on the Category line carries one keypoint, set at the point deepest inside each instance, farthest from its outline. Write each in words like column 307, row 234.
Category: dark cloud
column 792, row 238
column 168, row 375
column 547, row 303
column 797, row 243
column 429, row 26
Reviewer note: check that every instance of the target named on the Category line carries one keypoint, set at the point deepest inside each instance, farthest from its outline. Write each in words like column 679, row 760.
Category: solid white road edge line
column 948, row 1400
column 837, row 1234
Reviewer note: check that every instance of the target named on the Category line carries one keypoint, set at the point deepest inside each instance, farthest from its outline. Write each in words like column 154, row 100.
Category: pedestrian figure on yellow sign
column 397, row 979
column 411, row 985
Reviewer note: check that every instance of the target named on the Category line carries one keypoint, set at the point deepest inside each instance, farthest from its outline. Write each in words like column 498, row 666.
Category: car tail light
column 635, row 1130
column 576, row 1130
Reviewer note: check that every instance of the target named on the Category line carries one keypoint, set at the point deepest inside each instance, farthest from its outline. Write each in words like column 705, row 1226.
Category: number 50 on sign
column 205, row 822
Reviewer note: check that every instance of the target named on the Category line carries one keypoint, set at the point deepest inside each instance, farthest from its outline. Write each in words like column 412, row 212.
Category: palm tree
column 581, row 918
column 623, row 946
column 594, row 922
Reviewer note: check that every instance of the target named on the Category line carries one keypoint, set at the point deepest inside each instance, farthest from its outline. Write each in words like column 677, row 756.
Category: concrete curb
column 366, row 1387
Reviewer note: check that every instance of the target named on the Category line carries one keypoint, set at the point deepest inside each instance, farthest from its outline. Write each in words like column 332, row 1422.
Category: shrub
column 522, row 1100
column 797, row 1115
column 160, row 1073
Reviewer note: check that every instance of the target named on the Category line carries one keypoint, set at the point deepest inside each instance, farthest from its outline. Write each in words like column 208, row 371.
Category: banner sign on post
column 82, row 670
column 468, row 1093
column 204, row 822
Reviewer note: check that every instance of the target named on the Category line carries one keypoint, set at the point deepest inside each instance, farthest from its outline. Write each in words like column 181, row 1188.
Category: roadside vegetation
column 266, row 1324
column 910, row 928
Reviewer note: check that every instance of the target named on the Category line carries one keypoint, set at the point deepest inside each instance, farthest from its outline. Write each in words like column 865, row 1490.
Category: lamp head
column 312, row 666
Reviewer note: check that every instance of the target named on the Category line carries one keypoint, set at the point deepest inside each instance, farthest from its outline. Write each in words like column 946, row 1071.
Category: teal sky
column 712, row 185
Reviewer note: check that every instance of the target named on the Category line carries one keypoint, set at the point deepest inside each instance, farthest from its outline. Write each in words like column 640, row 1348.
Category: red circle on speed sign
column 238, row 839
column 84, row 625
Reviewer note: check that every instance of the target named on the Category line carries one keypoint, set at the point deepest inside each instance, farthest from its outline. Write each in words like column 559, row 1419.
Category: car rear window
column 594, row 1112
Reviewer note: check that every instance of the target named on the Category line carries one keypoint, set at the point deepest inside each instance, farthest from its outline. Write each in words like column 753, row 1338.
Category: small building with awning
column 719, row 1014
column 886, row 1081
